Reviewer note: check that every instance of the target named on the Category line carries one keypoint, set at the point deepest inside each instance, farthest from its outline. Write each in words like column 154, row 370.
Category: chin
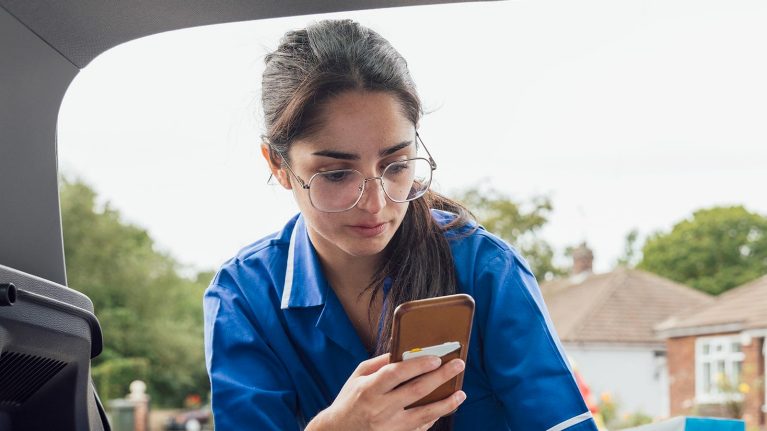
column 365, row 250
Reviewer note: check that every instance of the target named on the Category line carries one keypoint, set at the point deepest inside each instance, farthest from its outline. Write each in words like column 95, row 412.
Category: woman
column 297, row 324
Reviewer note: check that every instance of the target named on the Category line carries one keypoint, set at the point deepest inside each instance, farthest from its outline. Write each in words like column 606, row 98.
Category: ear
column 275, row 167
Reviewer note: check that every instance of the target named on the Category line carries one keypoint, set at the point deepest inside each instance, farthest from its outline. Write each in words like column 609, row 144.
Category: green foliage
column 635, row 419
column 630, row 253
column 517, row 223
column 734, row 395
column 113, row 376
column 151, row 316
column 715, row 250
column 609, row 408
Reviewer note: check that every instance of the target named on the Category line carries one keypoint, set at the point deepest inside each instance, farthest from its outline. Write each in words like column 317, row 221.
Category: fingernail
column 458, row 365
column 460, row 396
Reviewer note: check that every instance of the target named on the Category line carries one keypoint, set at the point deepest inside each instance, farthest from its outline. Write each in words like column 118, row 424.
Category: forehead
column 359, row 122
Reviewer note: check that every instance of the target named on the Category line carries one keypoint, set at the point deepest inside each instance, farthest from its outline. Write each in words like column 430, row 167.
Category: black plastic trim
column 93, row 322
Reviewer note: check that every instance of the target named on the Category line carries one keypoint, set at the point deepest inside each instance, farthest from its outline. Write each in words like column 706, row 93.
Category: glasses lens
column 407, row 180
column 335, row 191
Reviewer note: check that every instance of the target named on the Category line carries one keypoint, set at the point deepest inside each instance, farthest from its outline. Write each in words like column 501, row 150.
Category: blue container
column 686, row 423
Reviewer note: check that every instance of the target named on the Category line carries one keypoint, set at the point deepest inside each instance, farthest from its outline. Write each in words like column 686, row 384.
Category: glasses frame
column 306, row 185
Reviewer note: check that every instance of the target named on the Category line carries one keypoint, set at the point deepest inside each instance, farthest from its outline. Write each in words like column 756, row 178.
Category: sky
column 628, row 115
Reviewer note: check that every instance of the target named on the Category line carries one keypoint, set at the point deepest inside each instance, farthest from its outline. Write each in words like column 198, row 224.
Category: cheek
column 302, row 199
column 326, row 224
column 400, row 209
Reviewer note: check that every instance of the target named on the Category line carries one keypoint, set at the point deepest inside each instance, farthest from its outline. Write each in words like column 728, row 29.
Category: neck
column 350, row 274
column 346, row 273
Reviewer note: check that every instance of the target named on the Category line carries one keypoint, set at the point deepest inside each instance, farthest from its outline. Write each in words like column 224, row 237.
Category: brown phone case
column 429, row 322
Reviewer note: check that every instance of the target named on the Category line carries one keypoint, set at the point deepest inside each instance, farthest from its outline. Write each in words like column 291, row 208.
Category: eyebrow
column 349, row 156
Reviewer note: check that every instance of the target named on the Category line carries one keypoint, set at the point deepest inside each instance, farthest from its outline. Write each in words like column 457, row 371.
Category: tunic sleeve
column 521, row 353
column 250, row 387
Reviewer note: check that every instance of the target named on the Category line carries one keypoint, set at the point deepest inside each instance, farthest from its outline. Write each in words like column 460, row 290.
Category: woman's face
column 360, row 130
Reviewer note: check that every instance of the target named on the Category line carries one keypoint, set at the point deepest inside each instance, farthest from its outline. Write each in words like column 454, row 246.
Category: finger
column 430, row 413
column 427, row 426
column 371, row 365
column 393, row 375
column 420, row 387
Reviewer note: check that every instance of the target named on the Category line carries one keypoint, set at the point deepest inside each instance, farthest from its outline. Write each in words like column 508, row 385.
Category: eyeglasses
column 341, row 189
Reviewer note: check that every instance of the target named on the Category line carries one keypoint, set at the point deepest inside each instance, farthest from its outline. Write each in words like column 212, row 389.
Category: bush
column 609, row 408
column 113, row 377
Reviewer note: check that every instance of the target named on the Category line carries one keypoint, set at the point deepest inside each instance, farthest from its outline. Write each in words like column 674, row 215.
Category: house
column 606, row 324
column 717, row 356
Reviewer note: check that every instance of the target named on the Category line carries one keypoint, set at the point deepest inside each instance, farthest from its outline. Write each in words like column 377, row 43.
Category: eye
column 336, row 176
column 397, row 168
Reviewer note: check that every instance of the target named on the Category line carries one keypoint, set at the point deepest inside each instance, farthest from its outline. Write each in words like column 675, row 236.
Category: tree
column 517, row 223
column 151, row 316
column 715, row 250
column 630, row 250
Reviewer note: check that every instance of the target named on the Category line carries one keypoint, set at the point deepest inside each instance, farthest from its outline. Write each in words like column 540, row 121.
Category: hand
column 372, row 398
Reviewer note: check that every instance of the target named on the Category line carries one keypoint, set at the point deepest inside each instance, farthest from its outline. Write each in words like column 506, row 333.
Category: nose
column 373, row 198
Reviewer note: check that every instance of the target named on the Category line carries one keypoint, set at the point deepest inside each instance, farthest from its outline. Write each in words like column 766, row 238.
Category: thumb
column 372, row 365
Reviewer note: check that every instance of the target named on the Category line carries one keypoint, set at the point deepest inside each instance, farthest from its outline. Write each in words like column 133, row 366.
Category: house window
column 718, row 369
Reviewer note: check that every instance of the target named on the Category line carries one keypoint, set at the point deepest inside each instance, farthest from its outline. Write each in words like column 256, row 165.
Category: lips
column 369, row 229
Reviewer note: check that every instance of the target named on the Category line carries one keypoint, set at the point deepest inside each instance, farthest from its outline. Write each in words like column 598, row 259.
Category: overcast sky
column 627, row 114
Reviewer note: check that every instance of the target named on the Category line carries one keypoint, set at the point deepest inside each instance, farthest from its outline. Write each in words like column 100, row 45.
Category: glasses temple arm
column 431, row 159
column 285, row 162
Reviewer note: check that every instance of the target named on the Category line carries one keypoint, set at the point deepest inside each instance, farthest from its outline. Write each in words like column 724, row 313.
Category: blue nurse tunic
column 279, row 345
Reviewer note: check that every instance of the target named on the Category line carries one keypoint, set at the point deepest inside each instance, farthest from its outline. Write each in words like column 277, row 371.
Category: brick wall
column 681, row 374
column 753, row 375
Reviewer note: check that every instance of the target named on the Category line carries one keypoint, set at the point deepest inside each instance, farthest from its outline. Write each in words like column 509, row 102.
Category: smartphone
column 438, row 326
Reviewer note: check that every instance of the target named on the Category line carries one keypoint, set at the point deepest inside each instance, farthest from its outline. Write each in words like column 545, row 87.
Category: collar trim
column 288, row 286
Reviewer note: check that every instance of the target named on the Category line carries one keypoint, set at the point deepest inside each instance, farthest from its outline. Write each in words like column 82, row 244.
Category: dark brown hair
column 308, row 69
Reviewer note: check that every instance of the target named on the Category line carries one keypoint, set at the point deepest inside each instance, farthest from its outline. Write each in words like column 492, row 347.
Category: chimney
column 583, row 258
